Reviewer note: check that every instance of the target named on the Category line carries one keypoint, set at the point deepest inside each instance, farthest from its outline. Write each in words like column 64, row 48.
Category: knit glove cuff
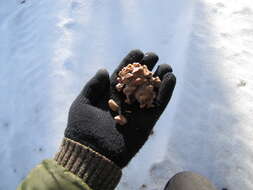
column 96, row 170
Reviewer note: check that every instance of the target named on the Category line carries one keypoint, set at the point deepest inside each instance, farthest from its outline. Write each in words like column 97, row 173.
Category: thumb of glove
column 98, row 88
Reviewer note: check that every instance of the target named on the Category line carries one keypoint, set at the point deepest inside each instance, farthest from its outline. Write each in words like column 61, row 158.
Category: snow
column 49, row 49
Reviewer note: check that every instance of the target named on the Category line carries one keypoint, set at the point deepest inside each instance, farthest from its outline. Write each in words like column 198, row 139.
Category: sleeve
column 75, row 167
column 49, row 175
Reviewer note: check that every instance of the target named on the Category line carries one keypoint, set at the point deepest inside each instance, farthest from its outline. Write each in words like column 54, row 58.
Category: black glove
column 91, row 122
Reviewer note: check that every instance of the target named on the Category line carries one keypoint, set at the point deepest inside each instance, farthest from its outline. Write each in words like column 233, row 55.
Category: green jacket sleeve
column 75, row 167
column 51, row 176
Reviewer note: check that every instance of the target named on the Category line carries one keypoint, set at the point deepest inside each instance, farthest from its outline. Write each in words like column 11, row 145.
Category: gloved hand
column 92, row 124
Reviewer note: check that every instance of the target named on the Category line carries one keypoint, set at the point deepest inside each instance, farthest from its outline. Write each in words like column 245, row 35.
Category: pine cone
column 137, row 83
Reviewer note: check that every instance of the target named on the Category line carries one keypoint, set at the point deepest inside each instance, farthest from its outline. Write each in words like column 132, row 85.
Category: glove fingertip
column 166, row 89
column 102, row 74
column 162, row 69
column 135, row 55
column 152, row 55
column 170, row 77
column 150, row 59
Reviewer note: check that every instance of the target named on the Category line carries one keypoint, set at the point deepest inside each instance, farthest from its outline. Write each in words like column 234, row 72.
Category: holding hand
column 91, row 122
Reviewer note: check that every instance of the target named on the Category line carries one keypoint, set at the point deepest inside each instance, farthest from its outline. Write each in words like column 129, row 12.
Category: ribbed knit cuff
column 96, row 170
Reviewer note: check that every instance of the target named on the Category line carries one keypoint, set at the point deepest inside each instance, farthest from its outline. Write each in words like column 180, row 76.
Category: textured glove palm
column 91, row 122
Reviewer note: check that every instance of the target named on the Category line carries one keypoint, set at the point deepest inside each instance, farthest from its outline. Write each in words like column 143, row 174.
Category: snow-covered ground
column 49, row 49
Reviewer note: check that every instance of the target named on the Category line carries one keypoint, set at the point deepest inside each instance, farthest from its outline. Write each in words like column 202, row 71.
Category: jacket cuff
column 93, row 168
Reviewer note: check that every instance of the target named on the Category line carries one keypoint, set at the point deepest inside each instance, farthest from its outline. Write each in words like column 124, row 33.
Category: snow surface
column 49, row 49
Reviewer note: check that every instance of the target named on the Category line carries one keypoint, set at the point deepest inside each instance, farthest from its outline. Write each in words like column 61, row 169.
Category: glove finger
column 166, row 89
column 149, row 59
column 133, row 56
column 97, row 87
column 162, row 70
